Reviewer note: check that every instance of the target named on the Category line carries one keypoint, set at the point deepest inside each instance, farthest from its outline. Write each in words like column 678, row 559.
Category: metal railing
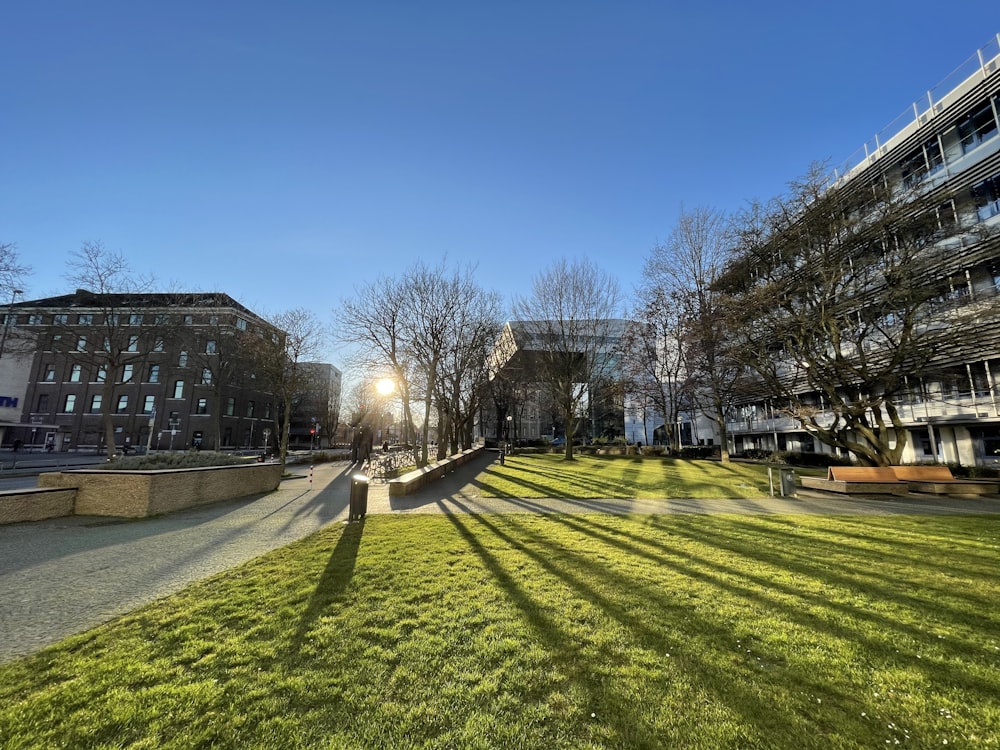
column 383, row 466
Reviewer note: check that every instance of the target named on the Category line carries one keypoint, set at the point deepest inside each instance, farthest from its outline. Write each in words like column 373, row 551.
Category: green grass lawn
column 522, row 631
column 589, row 477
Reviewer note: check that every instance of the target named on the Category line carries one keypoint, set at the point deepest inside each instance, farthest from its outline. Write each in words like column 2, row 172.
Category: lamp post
column 6, row 322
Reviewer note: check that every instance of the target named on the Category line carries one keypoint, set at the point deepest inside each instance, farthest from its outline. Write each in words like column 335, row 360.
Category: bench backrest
column 861, row 474
column 923, row 473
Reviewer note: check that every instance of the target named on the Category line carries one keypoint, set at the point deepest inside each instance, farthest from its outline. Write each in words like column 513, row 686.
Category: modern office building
column 518, row 406
column 949, row 145
column 166, row 363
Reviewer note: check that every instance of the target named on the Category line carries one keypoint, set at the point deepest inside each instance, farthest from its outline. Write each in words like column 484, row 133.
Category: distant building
column 316, row 412
column 166, row 391
column 608, row 411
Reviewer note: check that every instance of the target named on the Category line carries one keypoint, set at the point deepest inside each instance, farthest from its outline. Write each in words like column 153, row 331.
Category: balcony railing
column 983, row 63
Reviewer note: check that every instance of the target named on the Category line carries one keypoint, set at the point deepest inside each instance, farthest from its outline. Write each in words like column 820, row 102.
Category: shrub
column 973, row 472
column 179, row 460
column 699, row 451
column 807, row 458
column 326, row 457
column 653, row 450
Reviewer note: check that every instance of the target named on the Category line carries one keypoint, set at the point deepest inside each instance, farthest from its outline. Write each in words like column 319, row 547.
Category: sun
column 385, row 386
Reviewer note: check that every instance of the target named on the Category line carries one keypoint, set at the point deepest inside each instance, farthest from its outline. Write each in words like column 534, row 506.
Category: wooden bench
column 940, row 481
column 858, row 480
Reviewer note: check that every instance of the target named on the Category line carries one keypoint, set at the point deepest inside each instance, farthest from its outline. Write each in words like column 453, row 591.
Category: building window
column 69, row 404
column 122, row 404
column 50, row 373
column 213, row 320
column 926, row 160
column 135, row 319
column 209, row 347
column 154, row 374
column 133, row 343
column 84, row 319
column 81, row 344
column 206, row 376
column 158, row 345
column 188, row 320
column 178, row 389
column 202, row 407
column 128, row 372
column 102, row 374
column 95, row 403
column 978, row 127
column 267, row 410
column 241, row 325
column 182, row 359
column 160, row 319
column 75, row 374
column 250, row 408
column 149, row 405
column 43, row 402
column 60, row 319
column 986, row 196
column 34, row 320
column 230, row 406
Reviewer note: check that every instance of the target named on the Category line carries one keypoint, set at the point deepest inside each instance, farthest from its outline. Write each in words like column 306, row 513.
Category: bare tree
column 843, row 301
column 119, row 300
column 570, row 326
column 12, row 271
column 374, row 323
column 281, row 360
column 427, row 329
column 690, row 265
column 653, row 354
column 12, row 277
column 474, row 329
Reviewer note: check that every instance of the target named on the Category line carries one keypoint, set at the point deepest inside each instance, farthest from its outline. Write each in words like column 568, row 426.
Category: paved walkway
column 63, row 576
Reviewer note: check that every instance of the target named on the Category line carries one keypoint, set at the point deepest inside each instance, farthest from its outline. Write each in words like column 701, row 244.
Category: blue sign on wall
column 8, row 401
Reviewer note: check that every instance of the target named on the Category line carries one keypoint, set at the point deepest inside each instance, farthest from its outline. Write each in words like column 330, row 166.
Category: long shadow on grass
column 789, row 604
column 814, row 563
column 333, row 582
column 636, row 606
column 620, row 713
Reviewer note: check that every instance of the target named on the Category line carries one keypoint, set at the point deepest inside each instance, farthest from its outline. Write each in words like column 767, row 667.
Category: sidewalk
column 66, row 575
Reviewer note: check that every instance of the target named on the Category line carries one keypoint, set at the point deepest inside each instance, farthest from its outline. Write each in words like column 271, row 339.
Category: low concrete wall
column 134, row 494
column 412, row 481
column 35, row 504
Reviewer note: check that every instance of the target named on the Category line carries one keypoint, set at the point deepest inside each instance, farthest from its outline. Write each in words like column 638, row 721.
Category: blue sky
column 285, row 152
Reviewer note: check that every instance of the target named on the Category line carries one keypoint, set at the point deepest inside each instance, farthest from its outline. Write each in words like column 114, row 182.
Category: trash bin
column 787, row 480
column 359, row 497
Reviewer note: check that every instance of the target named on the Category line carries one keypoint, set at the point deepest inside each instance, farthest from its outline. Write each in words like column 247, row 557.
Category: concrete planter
column 135, row 494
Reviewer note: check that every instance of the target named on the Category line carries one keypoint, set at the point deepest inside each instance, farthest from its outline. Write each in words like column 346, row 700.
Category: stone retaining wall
column 35, row 504
column 134, row 494
column 412, row 481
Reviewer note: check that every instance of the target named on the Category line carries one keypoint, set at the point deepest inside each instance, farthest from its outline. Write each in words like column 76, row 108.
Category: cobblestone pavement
column 63, row 576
